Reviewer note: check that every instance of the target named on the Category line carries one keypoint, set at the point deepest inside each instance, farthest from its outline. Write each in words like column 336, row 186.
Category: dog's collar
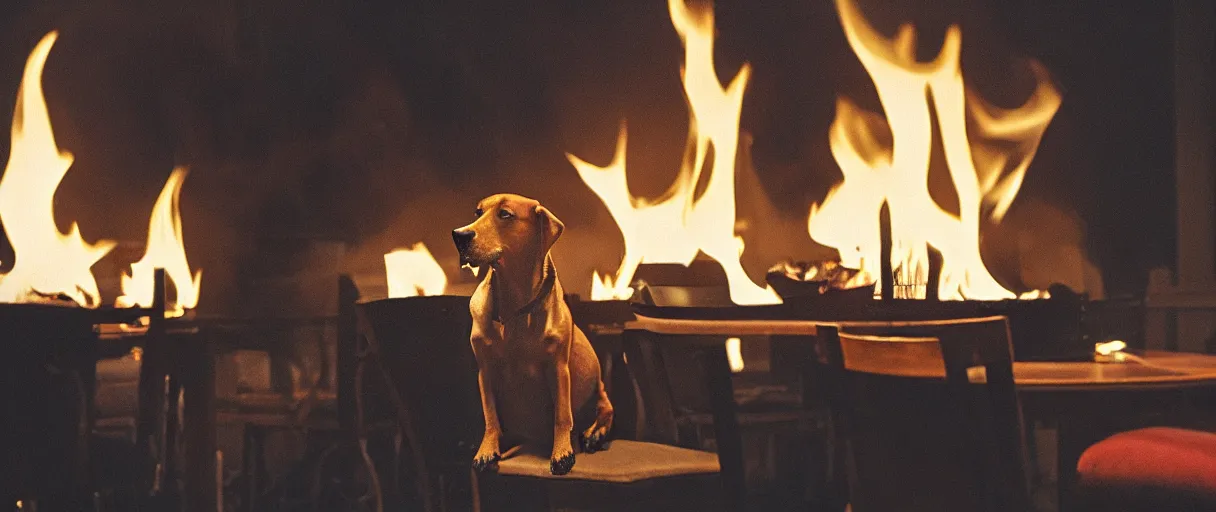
column 546, row 287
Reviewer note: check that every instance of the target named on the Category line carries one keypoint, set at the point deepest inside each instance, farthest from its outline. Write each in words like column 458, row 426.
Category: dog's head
column 509, row 230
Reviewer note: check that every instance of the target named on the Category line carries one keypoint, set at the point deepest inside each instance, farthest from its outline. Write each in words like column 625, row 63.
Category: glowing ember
column 678, row 225
column 46, row 261
column 897, row 172
column 413, row 271
column 165, row 250
column 831, row 274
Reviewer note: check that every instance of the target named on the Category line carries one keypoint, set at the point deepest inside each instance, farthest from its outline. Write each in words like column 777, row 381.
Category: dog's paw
column 486, row 461
column 560, row 465
column 593, row 440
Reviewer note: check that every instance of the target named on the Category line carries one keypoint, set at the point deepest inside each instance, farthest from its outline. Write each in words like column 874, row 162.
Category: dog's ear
column 550, row 228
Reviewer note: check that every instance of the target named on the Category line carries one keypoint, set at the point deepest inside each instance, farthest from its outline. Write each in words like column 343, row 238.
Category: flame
column 678, row 225
column 165, row 250
column 46, row 261
column 413, row 271
column 896, row 172
column 1109, row 347
column 734, row 354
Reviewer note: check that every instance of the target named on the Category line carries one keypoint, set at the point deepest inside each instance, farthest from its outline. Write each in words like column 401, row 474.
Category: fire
column 165, row 250
column 678, row 225
column 46, row 262
column 413, row 271
column 896, row 172
column 734, row 354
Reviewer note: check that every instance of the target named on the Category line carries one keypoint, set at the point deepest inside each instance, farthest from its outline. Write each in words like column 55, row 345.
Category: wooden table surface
column 1151, row 369
column 690, row 327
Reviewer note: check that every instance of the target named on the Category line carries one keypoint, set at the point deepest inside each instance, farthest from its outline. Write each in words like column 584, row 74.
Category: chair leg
column 475, row 490
column 254, row 453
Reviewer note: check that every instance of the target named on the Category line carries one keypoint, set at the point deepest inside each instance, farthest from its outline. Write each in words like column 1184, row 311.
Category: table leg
column 726, row 427
column 199, row 433
column 1073, row 437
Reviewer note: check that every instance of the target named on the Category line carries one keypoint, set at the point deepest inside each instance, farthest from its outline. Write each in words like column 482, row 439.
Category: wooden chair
column 927, row 414
column 419, row 347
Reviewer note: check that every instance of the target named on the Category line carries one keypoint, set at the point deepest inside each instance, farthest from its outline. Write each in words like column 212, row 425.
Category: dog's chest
column 522, row 339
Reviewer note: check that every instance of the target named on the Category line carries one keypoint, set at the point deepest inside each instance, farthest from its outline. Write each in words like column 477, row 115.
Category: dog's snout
column 462, row 239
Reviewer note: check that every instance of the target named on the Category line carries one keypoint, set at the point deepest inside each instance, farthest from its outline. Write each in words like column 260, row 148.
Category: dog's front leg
column 562, row 459
column 487, row 454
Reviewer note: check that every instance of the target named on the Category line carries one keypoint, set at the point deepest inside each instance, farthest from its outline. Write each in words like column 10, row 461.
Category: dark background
column 380, row 122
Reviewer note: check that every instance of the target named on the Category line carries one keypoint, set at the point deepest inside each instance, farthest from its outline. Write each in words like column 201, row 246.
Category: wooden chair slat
column 977, row 421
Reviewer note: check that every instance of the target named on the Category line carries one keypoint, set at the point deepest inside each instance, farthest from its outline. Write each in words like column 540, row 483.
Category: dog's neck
column 516, row 292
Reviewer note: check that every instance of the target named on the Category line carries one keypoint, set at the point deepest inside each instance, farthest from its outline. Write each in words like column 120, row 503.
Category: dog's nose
column 462, row 239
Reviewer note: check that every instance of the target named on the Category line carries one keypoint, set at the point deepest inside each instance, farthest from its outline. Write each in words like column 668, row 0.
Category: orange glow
column 679, row 224
column 46, row 261
column 413, row 271
column 165, row 250
column 896, row 170
column 1109, row 347
column 734, row 354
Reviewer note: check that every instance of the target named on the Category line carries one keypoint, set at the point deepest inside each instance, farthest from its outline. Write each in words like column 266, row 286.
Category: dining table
column 1086, row 400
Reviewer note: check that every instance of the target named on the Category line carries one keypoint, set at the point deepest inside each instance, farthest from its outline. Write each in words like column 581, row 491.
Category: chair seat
column 622, row 462
column 1153, row 458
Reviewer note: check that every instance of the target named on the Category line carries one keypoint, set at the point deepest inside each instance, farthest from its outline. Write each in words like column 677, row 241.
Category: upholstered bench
column 1157, row 468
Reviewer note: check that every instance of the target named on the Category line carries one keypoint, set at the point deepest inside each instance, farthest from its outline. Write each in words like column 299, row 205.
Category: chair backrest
column 929, row 412
column 600, row 321
column 420, row 346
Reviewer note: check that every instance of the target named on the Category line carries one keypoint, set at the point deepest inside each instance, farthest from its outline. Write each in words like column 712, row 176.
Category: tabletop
column 682, row 326
column 1152, row 369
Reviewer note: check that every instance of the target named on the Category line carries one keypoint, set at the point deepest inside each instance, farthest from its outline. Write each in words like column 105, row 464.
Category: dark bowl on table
column 811, row 293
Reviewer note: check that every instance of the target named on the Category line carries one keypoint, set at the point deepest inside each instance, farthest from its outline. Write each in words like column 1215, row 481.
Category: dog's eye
column 504, row 214
column 478, row 212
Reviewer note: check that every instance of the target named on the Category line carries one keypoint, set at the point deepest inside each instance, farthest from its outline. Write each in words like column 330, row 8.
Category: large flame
column 165, row 250
column 46, row 261
column 673, row 228
column 896, row 172
column 413, row 271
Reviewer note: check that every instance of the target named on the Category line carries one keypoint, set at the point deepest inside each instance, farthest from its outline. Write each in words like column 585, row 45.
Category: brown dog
column 534, row 365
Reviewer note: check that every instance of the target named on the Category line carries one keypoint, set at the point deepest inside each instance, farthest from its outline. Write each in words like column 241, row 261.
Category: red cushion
column 1159, row 457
